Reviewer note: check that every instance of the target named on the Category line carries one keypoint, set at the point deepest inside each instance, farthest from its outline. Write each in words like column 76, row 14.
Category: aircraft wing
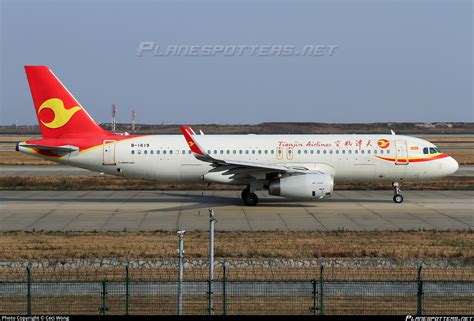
column 201, row 154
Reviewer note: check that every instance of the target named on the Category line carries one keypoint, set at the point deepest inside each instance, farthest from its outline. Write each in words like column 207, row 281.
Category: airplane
column 302, row 167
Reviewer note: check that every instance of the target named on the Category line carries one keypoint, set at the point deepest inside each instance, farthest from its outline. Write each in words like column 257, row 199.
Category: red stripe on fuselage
column 415, row 160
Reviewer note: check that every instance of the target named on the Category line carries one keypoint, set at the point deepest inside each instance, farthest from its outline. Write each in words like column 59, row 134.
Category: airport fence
column 129, row 290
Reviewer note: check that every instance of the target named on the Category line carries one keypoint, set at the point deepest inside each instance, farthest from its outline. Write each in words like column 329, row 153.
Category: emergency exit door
column 401, row 150
column 108, row 151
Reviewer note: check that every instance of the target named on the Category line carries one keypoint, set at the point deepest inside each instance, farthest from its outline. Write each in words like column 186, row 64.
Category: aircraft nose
column 452, row 166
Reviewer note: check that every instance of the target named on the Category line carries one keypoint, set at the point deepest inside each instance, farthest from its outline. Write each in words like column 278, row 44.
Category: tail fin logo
column 61, row 114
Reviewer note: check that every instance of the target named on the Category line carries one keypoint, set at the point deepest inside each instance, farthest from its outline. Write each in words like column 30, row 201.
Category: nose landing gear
column 397, row 197
column 249, row 198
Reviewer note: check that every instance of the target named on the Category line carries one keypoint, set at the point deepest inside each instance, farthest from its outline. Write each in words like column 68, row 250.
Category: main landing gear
column 397, row 197
column 249, row 198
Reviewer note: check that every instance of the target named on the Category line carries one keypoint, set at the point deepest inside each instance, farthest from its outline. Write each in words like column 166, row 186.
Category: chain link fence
column 128, row 290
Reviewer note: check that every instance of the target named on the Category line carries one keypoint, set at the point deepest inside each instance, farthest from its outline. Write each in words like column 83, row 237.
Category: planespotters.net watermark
column 152, row 49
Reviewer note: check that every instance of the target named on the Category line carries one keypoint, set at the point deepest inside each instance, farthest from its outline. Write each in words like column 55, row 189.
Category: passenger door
column 401, row 152
column 108, row 152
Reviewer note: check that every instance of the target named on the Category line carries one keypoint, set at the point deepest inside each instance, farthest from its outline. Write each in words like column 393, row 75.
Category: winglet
column 193, row 145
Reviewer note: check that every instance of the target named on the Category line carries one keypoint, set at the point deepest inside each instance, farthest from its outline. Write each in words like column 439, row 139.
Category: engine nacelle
column 303, row 186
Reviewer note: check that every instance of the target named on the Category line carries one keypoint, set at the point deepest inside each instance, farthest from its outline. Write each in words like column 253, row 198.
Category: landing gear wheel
column 244, row 193
column 398, row 198
column 250, row 199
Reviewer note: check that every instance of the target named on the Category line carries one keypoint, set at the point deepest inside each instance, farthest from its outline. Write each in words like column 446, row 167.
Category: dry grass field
column 147, row 245
column 16, row 158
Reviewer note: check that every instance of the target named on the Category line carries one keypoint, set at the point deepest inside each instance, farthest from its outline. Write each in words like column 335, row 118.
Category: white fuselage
column 348, row 158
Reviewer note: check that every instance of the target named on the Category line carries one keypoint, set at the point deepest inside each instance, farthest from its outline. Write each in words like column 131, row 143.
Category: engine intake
column 304, row 186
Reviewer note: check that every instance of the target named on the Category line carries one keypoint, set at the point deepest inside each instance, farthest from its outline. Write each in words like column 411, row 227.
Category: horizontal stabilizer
column 55, row 149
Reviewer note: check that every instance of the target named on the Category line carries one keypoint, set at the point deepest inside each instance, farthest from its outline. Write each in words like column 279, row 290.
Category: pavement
column 64, row 170
column 170, row 210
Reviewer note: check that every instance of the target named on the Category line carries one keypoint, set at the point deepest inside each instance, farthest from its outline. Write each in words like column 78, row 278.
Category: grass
column 297, row 245
column 463, row 156
column 17, row 158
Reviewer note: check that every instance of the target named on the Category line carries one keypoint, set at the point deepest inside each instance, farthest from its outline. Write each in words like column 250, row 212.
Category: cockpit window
column 431, row 150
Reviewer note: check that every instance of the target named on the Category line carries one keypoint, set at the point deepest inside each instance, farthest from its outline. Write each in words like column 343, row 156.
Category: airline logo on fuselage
column 383, row 143
column 61, row 114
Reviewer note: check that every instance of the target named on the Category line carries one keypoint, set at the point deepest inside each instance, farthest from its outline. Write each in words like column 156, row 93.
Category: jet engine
column 303, row 186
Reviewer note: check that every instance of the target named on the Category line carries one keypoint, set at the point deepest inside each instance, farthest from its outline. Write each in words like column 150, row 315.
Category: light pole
column 212, row 221
column 181, row 268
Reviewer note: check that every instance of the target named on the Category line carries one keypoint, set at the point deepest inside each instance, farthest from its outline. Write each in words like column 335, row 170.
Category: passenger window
column 272, row 152
column 311, row 151
column 350, row 151
column 337, row 151
column 362, row 151
column 215, row 152
column 228, row 152
column 171, row 152
column 356, row 151
column 324, row 151
column 183, row 152
column 145, row 152
column 266, row 151
column 388, row 151
column 157, row 152
column 133, row 152
column 222, row 152
column 299, row 151
column 234, row 152
column 368, row 151
column 259, row 151
column 164, row 152
column 246, row 151
column 381, row 151
column 253, row 151
column 318, row 151
column 375, row 151
column 330, row 151
column 139, row 152
column 343, row 151
column 240, row 151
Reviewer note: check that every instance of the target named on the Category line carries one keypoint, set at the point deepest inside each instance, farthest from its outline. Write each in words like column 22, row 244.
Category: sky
column 391, row 61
